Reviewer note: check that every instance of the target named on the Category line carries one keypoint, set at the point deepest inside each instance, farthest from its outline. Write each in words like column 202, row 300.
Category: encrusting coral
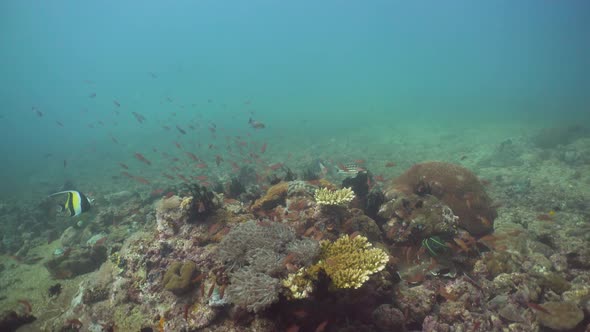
column 348, row 262
column 274, row 196
column 324, row 196
column 178, row 277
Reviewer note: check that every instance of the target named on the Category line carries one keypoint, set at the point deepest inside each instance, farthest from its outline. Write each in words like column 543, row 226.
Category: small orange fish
column 538, row 307
column 141, row 180
column 390, row 164
column 141, row 158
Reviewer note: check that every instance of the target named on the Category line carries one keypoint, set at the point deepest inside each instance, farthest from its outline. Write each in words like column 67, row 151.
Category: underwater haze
column 326, row 70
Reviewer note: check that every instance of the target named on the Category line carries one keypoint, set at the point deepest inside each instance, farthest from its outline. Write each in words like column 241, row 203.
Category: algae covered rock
column 76, row 261
column 455, row 186
column 362, row 224
column 178, row 277
column 562, row 316
column 388, row 318
column 411, row 217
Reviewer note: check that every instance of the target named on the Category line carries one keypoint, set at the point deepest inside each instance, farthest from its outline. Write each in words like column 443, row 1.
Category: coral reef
column 412, row 217
column 252, row 290
column 178, row 278
column 172, row 213
column 560, row 316
column 389, row 318
column 257, row 254
column 76, row 261
column 341, row 197
column 300, row 188
column 362, row 224
column 274, row 196
column 347, row 262
column 455, row 186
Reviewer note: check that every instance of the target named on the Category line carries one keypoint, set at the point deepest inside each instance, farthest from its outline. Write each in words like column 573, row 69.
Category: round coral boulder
column 455, row 186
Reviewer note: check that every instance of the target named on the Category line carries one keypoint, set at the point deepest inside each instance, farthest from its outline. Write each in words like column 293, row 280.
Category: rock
column 11, row 320
column 552, row 137
column 77, row 261
column 455, row 186
column 418, row 301
column 562, row 316
column 413, row 216
column 119, row 197
column 388, row 318
column 199, row 316
column 363, row 224
column 70, row 237
column 511, row 313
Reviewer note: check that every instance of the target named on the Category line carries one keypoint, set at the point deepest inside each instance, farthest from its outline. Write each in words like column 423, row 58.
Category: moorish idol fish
column 76, row 203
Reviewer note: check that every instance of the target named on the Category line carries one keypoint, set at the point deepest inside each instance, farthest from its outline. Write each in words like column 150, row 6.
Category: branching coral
column 324, row 196
column 348, row 262
column 256, row 254
column 299, row 284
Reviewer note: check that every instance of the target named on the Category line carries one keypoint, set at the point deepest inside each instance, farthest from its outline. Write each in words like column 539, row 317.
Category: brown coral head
column 456, row 187
column 422, row 188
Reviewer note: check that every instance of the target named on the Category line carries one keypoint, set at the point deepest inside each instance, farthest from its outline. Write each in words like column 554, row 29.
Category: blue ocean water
column 328, row 79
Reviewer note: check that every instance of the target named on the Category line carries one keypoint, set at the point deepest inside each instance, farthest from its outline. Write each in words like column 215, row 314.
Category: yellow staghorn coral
column 325, row 196
column 348, row 262
column 300, row 284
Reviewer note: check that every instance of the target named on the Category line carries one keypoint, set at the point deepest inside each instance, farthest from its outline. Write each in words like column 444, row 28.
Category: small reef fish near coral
column 295, row 166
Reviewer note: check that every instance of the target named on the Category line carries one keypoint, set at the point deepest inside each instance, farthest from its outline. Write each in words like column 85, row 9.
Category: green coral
column 325, row 196
column 348, row 262
column 178, row 277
